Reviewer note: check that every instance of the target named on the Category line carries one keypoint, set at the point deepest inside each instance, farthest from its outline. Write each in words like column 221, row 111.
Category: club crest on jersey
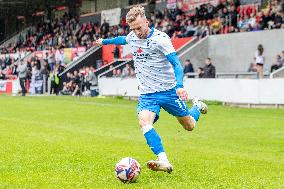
column 139, row 50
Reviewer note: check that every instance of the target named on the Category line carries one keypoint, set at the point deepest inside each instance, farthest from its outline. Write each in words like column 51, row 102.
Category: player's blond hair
column 134, row 13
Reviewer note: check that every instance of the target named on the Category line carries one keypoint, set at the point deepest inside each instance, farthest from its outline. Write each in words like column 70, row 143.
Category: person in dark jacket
column 188, row 68
column 209, row 69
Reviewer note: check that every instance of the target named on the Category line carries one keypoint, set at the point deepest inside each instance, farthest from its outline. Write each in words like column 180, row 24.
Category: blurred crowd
column 64, row 32
column 126, row 71
column 79, row 82
column 207, row 71
column 52, row 36
column 226, row 17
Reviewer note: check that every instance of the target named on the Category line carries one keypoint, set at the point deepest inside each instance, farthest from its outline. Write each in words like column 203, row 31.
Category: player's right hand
column 99, row 41
column 182, row 93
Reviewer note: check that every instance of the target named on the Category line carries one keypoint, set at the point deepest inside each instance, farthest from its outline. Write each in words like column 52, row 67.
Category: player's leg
column 188, row 122
column 170, row 102
column 146, row 120
column 148, row 113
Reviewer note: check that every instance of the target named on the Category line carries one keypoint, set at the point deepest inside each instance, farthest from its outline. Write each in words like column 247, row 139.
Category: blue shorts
column 168, row 100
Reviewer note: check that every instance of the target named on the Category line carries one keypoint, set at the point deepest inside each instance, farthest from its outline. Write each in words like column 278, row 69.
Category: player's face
column 207, row 61
column 140, row 27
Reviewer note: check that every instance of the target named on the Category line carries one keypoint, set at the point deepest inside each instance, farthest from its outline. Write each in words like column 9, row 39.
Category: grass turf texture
column 67, row 142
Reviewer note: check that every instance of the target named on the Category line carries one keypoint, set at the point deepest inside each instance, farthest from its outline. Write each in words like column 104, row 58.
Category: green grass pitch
column 70, row 142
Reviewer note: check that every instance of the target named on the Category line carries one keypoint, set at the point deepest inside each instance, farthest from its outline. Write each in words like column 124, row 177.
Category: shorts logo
column 181, row 104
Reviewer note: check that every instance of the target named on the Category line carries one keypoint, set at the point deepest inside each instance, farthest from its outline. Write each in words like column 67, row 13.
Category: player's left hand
column 99, row 41
column 182, row 93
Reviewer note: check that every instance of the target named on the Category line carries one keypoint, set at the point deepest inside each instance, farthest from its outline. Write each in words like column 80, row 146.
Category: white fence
column 251, row 91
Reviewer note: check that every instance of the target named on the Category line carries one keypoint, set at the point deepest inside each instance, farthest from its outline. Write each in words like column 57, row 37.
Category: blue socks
column 194, row 112
column 153, row 139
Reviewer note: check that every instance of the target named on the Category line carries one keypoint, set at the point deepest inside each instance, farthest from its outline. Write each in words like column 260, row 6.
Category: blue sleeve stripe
column 120, row 40
column 174, row 60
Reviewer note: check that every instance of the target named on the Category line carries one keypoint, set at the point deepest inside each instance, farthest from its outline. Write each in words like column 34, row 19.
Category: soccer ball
column 127, row 170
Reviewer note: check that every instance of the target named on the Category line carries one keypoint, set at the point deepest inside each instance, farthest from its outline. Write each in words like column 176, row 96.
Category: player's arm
column 120, row 40
column 166, row 47
column 174, row 60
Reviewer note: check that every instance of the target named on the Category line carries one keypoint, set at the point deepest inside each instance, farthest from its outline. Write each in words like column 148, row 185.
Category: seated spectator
column 216, row 26
column 126, row 71
column 110, row 73
column 67, row 86
column 91, row 79
column 188, row 68
column 2, row 75
column 200, row 72
column 190, row 29
column 76, row 83
column 278, row 20
column 278, row 64
column 114, row 73
column 118, row 73
column 209, row 69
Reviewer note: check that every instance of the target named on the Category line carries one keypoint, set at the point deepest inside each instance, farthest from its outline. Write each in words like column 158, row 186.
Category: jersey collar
column 151, row 33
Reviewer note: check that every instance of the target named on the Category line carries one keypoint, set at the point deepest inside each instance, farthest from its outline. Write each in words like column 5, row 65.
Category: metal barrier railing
column 278, row 73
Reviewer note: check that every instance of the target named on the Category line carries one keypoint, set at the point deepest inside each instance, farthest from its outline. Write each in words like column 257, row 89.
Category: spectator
column 50, row 60
column 67, row 86
column 14, row 69
column 76, row 83
column 45, row 70
column 2, row 75
column 126, row 71
column 36, row 77
column 116, row 52
column 114, row 73
column 278, row 64
column 76, row 57
column 209, row 69
column 252, row 66
column 259, row 58
column 110, row 73
column 91, row 79
column 188, row 68
column 105, row 28
column 54, row 81
column 118, row 73
column 22, row 74
column 200, row 72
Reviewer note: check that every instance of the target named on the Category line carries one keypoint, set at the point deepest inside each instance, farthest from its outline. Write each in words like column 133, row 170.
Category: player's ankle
column 163, row 157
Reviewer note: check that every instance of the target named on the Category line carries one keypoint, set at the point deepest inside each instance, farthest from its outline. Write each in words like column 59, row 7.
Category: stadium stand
column 42, row 46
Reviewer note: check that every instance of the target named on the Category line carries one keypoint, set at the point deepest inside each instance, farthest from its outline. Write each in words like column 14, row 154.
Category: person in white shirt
column 259, row 58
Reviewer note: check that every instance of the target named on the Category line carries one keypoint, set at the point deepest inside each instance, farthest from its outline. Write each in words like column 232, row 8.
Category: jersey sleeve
column 120, row 40
column 174, row 60
column 165, row 45
column 127, row 38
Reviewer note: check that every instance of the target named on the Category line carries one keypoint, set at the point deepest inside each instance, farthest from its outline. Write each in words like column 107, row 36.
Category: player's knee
column 143, row 122
column 188, row 127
